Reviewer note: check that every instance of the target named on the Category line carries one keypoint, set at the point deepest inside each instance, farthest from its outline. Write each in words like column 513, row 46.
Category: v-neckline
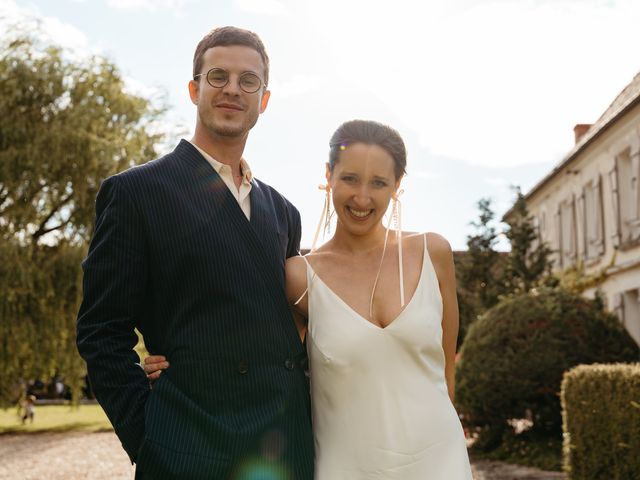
column 353, row 310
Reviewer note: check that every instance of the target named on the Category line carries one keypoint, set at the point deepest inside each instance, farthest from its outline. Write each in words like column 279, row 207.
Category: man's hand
column 154, row 365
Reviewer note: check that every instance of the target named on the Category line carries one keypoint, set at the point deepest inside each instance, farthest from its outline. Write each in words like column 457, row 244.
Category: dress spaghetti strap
column 306, row 290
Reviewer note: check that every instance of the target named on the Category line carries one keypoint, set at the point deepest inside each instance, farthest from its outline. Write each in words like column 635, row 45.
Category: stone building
column 588, row 207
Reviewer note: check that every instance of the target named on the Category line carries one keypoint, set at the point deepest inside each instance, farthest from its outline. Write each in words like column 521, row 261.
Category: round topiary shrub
column 513, row 358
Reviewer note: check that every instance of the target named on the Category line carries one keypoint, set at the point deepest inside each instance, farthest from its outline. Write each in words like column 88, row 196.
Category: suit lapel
column 259, row 234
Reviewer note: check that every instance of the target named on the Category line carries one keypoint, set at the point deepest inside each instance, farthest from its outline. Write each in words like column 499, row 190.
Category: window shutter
column 558, row 219
column 635, row 189
column 582, row 215
column 615, row 202
column 600, row 216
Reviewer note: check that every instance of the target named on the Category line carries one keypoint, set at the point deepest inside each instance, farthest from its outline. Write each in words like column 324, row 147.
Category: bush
column 601, row 415
column 513, row 358
column 531, row 448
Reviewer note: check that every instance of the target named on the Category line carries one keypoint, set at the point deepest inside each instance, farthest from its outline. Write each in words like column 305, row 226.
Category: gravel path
column 99, row 456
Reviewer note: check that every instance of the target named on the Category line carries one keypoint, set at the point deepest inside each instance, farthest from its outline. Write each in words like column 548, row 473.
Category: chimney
column 580, row 129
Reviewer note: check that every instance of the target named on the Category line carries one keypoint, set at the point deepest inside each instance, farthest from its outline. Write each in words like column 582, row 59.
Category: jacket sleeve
column 295, row 232
column 114, row 289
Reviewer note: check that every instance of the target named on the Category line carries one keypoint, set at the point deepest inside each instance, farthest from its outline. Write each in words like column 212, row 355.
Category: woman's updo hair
column 370, row 133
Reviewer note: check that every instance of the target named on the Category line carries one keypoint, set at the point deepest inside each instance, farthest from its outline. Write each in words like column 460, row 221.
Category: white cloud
column 492, row 83
column 177, row 5
column 426, row 175
column 296, row 85
column 497, row 182
column 264, row 7
column 18, row 20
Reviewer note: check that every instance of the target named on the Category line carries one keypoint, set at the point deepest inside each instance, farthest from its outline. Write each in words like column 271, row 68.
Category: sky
column 484, row 92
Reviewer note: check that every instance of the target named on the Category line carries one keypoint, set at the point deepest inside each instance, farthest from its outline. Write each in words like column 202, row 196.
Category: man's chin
column 229, row 132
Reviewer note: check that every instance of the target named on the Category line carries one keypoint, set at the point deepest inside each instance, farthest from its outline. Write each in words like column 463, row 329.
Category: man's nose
column 233, row 86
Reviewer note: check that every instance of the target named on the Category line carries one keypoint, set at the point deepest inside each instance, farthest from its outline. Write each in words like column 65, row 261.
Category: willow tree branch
column 42, row 230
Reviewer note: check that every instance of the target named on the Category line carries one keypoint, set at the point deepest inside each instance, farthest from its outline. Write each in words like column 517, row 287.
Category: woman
column 382, row 368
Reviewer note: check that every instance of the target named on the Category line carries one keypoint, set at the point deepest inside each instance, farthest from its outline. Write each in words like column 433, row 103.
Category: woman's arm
column 295, row 289
column 442, row 258
column 296, row 286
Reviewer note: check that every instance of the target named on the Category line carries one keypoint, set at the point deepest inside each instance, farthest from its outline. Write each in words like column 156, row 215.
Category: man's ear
column 265, row 100
column 193, row 91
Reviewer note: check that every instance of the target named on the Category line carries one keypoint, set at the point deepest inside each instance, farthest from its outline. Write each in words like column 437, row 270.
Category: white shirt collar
column 245, row 170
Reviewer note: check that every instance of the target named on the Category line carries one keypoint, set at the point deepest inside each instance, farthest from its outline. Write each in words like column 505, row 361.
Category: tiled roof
column 624, row 99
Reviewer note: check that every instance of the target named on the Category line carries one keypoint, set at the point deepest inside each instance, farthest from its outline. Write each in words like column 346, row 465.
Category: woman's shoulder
column 434, row 239
column 437, row 246
column 295, row 264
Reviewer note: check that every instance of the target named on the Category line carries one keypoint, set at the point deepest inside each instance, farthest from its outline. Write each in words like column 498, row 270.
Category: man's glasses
column 219, row 77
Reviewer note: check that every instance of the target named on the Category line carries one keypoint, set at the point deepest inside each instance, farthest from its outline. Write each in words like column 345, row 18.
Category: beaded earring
column 325, row 216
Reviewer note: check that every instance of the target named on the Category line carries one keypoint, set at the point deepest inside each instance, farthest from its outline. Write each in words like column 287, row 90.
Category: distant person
column 28, row 409
column 190, row 250
column 382, row 326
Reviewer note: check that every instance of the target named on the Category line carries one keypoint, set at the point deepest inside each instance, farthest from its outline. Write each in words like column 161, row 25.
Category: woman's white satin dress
column 379, row 396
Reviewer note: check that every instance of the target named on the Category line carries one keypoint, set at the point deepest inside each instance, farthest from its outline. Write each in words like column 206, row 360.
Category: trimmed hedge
column 601, row 421
column 513, row 359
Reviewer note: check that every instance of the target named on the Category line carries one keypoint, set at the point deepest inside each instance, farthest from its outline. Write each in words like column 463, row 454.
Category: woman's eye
column 380, row 183
column 349, row 179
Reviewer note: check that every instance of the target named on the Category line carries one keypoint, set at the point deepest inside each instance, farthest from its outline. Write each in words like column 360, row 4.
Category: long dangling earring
column 397, row 223
column 325, row 216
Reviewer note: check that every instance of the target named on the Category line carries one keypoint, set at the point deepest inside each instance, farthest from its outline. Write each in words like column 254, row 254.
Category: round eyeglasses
column 219, row 77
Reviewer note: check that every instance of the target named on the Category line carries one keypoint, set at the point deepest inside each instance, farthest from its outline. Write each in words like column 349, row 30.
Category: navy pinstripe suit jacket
column 174, row 256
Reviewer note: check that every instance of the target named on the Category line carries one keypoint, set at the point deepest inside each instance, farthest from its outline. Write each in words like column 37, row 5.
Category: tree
column 479, row 270
column 479, row 274
column 528, row 263
column 65, row 125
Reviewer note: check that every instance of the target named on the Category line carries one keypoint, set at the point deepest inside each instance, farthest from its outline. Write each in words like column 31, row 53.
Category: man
column 190, row 250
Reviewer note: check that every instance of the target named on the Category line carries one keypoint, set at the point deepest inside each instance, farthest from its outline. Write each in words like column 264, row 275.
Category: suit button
column 243, row 367
column 288, row 364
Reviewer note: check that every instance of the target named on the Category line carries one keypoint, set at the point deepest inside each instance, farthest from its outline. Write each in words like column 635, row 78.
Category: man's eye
column 218, row 76
column 250, row 81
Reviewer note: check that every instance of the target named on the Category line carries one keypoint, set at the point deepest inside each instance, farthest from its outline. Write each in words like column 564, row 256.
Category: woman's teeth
column 359, row 213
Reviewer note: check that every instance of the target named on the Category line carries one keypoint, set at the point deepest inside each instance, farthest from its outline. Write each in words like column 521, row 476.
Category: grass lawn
column 57, row 418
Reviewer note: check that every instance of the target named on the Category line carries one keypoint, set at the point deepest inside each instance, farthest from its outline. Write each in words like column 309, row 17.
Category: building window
column 542, row 226
column 627, row 307
column 567, row 233
column 626, row 197
column 592, row 215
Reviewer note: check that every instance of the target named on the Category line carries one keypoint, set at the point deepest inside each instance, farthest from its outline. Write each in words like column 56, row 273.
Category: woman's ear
column 327, row 174
column 395, row 193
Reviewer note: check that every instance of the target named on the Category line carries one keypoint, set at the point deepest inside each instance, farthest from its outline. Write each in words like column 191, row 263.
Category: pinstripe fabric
column 174, row 256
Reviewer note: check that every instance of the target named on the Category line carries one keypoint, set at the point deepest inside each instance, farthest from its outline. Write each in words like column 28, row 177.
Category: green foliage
column 65, row 125
column 513, row 359
column 531, row 448
column 528, row 264
column 467, row 314
column 481, row 269
column 40, row 295
column 601, row 413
